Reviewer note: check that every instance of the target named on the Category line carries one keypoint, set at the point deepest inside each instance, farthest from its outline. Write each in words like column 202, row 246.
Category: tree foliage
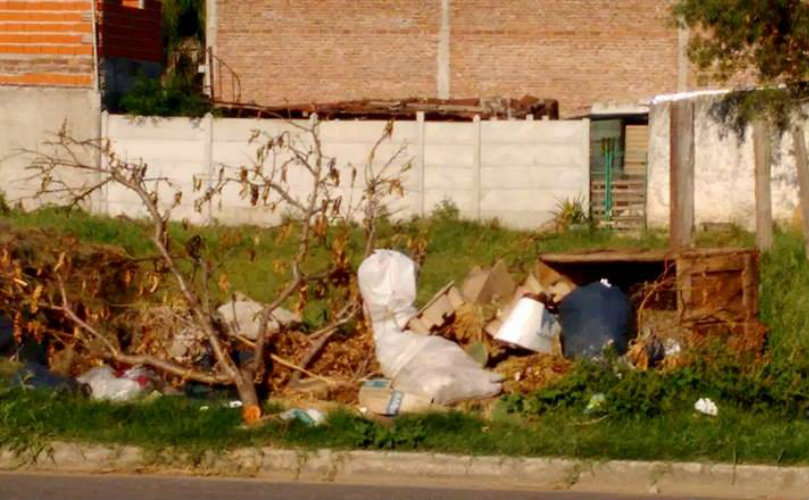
column 182, row 19
column 169, row 96
column 767, row 40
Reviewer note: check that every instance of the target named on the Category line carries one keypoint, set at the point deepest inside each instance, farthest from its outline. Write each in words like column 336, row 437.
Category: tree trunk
column 251, row 409
column 799, row 149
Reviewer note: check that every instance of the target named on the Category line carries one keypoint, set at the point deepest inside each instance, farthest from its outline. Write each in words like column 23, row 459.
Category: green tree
column 765, row 39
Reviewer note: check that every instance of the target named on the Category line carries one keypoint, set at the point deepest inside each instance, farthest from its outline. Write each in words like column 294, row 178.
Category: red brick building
column 577, row 51
column 78, row 43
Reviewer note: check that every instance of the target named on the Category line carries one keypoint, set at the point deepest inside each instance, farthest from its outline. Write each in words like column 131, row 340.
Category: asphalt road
column 118, row 487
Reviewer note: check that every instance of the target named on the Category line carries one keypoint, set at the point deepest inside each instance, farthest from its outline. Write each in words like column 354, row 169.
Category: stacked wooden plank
column 407, row 109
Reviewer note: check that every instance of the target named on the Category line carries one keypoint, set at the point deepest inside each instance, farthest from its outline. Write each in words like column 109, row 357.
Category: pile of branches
column 79, row 296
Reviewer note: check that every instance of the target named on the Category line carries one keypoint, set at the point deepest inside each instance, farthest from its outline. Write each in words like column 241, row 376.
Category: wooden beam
column 681, row 215
column 799, row 150
column 763, row 158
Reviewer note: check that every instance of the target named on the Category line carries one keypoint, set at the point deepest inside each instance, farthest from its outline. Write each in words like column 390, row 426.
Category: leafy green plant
column 446, row 211
column 570, row 213
column 4, row 208
column 170, row 97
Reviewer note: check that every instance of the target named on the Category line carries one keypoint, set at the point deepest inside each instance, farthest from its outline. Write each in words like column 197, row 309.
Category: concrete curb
column 619, row 477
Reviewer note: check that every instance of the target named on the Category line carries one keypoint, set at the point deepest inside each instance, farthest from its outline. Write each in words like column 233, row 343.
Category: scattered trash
column 235, row 404
column 554, row 284
column 596, row 404
column 427, row 366
column 438, row 311
column 594, row 317
column 242, row 316
column 529, row 373
column 484, row 286
column 36, row 376
column 106, row 383
column 309, row 417
column 706, row 407
column 204, row 408
column 530, row 326
column 478, row 352
column 378, row 397
column 671, row 347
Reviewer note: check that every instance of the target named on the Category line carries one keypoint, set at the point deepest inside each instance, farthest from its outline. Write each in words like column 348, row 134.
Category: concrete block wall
column 724, row 182
column 576, row 51
column 516, row 171
column 29, row 116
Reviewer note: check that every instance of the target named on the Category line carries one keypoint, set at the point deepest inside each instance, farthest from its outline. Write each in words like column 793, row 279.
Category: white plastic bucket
column 529, row 325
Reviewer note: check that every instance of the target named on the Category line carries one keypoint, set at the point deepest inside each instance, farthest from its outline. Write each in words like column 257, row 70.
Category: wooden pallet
column 628, row 202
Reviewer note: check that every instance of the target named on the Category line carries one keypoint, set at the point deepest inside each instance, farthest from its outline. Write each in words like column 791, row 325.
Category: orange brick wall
column 51, row 42
column 576, row 51
column 46, row 43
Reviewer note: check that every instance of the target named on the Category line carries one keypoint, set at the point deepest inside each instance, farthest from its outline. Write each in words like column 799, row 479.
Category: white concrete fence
column 724, row 165
column 516, row 171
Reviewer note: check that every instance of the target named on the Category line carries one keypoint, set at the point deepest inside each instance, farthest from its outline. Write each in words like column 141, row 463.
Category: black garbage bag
column 7, row 346
column 594, row 317
column 36, row 376
column 29, row 350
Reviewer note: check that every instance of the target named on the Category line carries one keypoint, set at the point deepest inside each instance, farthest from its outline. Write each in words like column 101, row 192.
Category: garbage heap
column 486, row 335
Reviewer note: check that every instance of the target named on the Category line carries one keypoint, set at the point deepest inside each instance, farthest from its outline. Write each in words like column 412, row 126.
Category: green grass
column 29, row 419
column 453, row 246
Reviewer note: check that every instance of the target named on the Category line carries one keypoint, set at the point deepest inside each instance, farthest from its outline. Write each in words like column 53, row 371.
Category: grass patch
column 29, row 418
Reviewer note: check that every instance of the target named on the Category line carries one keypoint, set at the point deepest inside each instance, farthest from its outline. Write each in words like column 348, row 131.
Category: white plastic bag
column 105, row 384
column 244, row 317
column 427, row 366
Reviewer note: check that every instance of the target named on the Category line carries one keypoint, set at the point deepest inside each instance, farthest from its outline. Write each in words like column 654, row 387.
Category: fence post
column 207, row 160
column 420, row 166
column 104, row 195
column 476, row 165
column 681, row 215
column 802, row 167
column 762, row 153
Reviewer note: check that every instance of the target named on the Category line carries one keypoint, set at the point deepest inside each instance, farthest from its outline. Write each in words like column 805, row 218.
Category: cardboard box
column 377, row 396
column 438, row 311
column 484, row 286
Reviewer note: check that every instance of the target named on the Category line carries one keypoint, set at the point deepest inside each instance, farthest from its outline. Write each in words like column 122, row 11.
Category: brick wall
column 325, row 50
column 50, row 43
column 577, row 51
column 46, row 43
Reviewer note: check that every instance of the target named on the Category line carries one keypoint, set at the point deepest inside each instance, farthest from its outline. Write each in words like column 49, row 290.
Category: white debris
column 671, row 347
column 706, row 407
column 243, row 317
column 310, row 417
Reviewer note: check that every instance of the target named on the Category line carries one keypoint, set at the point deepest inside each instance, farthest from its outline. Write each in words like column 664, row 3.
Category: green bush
column 172, row 97
column 4, row 208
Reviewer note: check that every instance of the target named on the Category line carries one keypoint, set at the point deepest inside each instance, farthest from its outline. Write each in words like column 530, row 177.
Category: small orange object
column 251, row 414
